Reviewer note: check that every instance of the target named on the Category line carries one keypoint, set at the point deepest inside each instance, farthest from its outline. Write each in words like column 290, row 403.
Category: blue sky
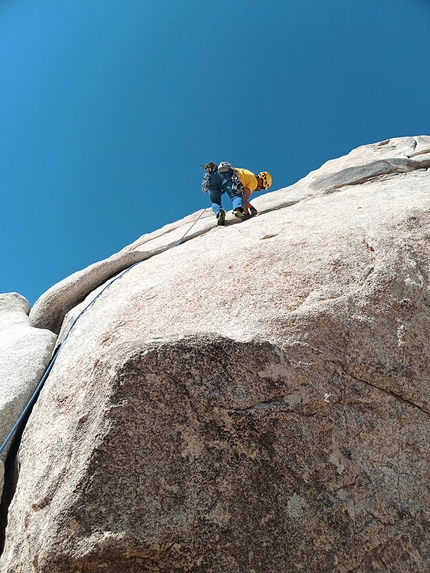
column 108, row 106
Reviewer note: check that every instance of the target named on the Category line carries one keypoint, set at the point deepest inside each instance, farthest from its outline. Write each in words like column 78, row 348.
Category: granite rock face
column 24, row 354
column 254, row 400
column 391, row 157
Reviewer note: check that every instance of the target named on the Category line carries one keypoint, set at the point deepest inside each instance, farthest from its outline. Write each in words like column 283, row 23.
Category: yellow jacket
column 248, row 178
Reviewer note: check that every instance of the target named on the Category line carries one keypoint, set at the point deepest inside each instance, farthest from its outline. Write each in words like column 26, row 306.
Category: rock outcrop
column 24, row 354
column 254, row 400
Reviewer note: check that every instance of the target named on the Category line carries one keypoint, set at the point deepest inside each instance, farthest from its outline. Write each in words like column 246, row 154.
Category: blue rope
column 32, row 399
column 57, row 350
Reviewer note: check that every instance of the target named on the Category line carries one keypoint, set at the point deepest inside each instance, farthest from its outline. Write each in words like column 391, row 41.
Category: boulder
column 253, row 400
column 24, row 354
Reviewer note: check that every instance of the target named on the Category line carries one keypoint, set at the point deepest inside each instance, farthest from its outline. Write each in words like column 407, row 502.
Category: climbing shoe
column 240, row 215
column 253, row 211
column 221, row 218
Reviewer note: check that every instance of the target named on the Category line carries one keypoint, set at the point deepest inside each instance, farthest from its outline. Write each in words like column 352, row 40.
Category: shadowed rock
column 363, row 173
column 24, row 354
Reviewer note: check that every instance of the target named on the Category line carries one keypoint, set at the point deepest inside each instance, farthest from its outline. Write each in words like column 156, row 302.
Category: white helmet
column 224, row 166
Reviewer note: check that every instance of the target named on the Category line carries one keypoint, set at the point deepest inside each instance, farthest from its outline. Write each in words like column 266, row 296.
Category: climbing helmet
column 266, row 178
column 224, row 166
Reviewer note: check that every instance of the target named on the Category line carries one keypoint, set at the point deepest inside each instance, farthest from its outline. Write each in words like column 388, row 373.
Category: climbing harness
column 223, row 175
column 58, row 348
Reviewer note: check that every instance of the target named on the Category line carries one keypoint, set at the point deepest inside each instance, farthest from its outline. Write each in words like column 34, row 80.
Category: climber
column 251, row 183
column 220, row 181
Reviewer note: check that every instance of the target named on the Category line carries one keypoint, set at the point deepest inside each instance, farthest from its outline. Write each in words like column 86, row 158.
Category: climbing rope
column 58, row 348
column 186, row 233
